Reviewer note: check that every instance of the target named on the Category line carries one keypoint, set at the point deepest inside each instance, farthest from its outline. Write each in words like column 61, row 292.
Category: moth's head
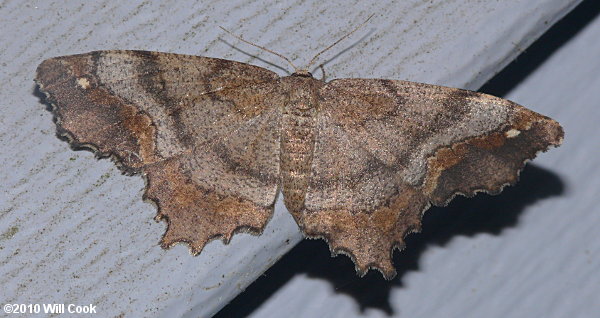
column 302, row 73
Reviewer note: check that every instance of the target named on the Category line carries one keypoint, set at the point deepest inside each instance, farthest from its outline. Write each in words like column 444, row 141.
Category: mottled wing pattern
column 204, row 131
column 385, row 150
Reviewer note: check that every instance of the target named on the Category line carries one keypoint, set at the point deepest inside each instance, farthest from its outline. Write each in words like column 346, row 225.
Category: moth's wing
column 203, row 131
column 385, row 150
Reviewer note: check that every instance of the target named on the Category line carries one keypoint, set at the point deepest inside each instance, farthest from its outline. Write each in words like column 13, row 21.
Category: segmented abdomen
column 297, row 145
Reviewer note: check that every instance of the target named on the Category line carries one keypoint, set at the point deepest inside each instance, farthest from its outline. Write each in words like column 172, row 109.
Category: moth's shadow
column 462, row 217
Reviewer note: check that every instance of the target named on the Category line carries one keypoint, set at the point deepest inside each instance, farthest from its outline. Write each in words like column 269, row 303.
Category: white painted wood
column 73, row 230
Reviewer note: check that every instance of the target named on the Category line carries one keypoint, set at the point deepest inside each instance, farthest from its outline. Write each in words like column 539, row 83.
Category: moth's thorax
column 302, row 90
column 298, row 137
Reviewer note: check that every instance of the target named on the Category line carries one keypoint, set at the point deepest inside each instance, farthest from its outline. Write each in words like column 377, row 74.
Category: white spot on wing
column 83, row 82
column 512, row 133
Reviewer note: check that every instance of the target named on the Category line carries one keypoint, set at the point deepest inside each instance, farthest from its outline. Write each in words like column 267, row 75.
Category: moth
column 358, row 161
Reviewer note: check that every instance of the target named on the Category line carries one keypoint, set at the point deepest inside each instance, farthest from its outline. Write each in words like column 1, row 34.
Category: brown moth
column 358, row 160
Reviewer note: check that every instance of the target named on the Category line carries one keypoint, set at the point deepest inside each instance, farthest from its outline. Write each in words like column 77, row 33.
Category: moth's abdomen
column 297, row 145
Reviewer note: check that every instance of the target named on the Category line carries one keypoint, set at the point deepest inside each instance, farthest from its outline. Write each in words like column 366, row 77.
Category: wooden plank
column 76, row 231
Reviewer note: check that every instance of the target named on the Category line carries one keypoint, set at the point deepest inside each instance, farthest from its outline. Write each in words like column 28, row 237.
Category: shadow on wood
column 462, row 217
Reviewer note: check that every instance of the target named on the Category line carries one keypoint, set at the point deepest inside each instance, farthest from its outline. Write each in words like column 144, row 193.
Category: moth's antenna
column 260, row 47
column 338, row 41
column 323, row 72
